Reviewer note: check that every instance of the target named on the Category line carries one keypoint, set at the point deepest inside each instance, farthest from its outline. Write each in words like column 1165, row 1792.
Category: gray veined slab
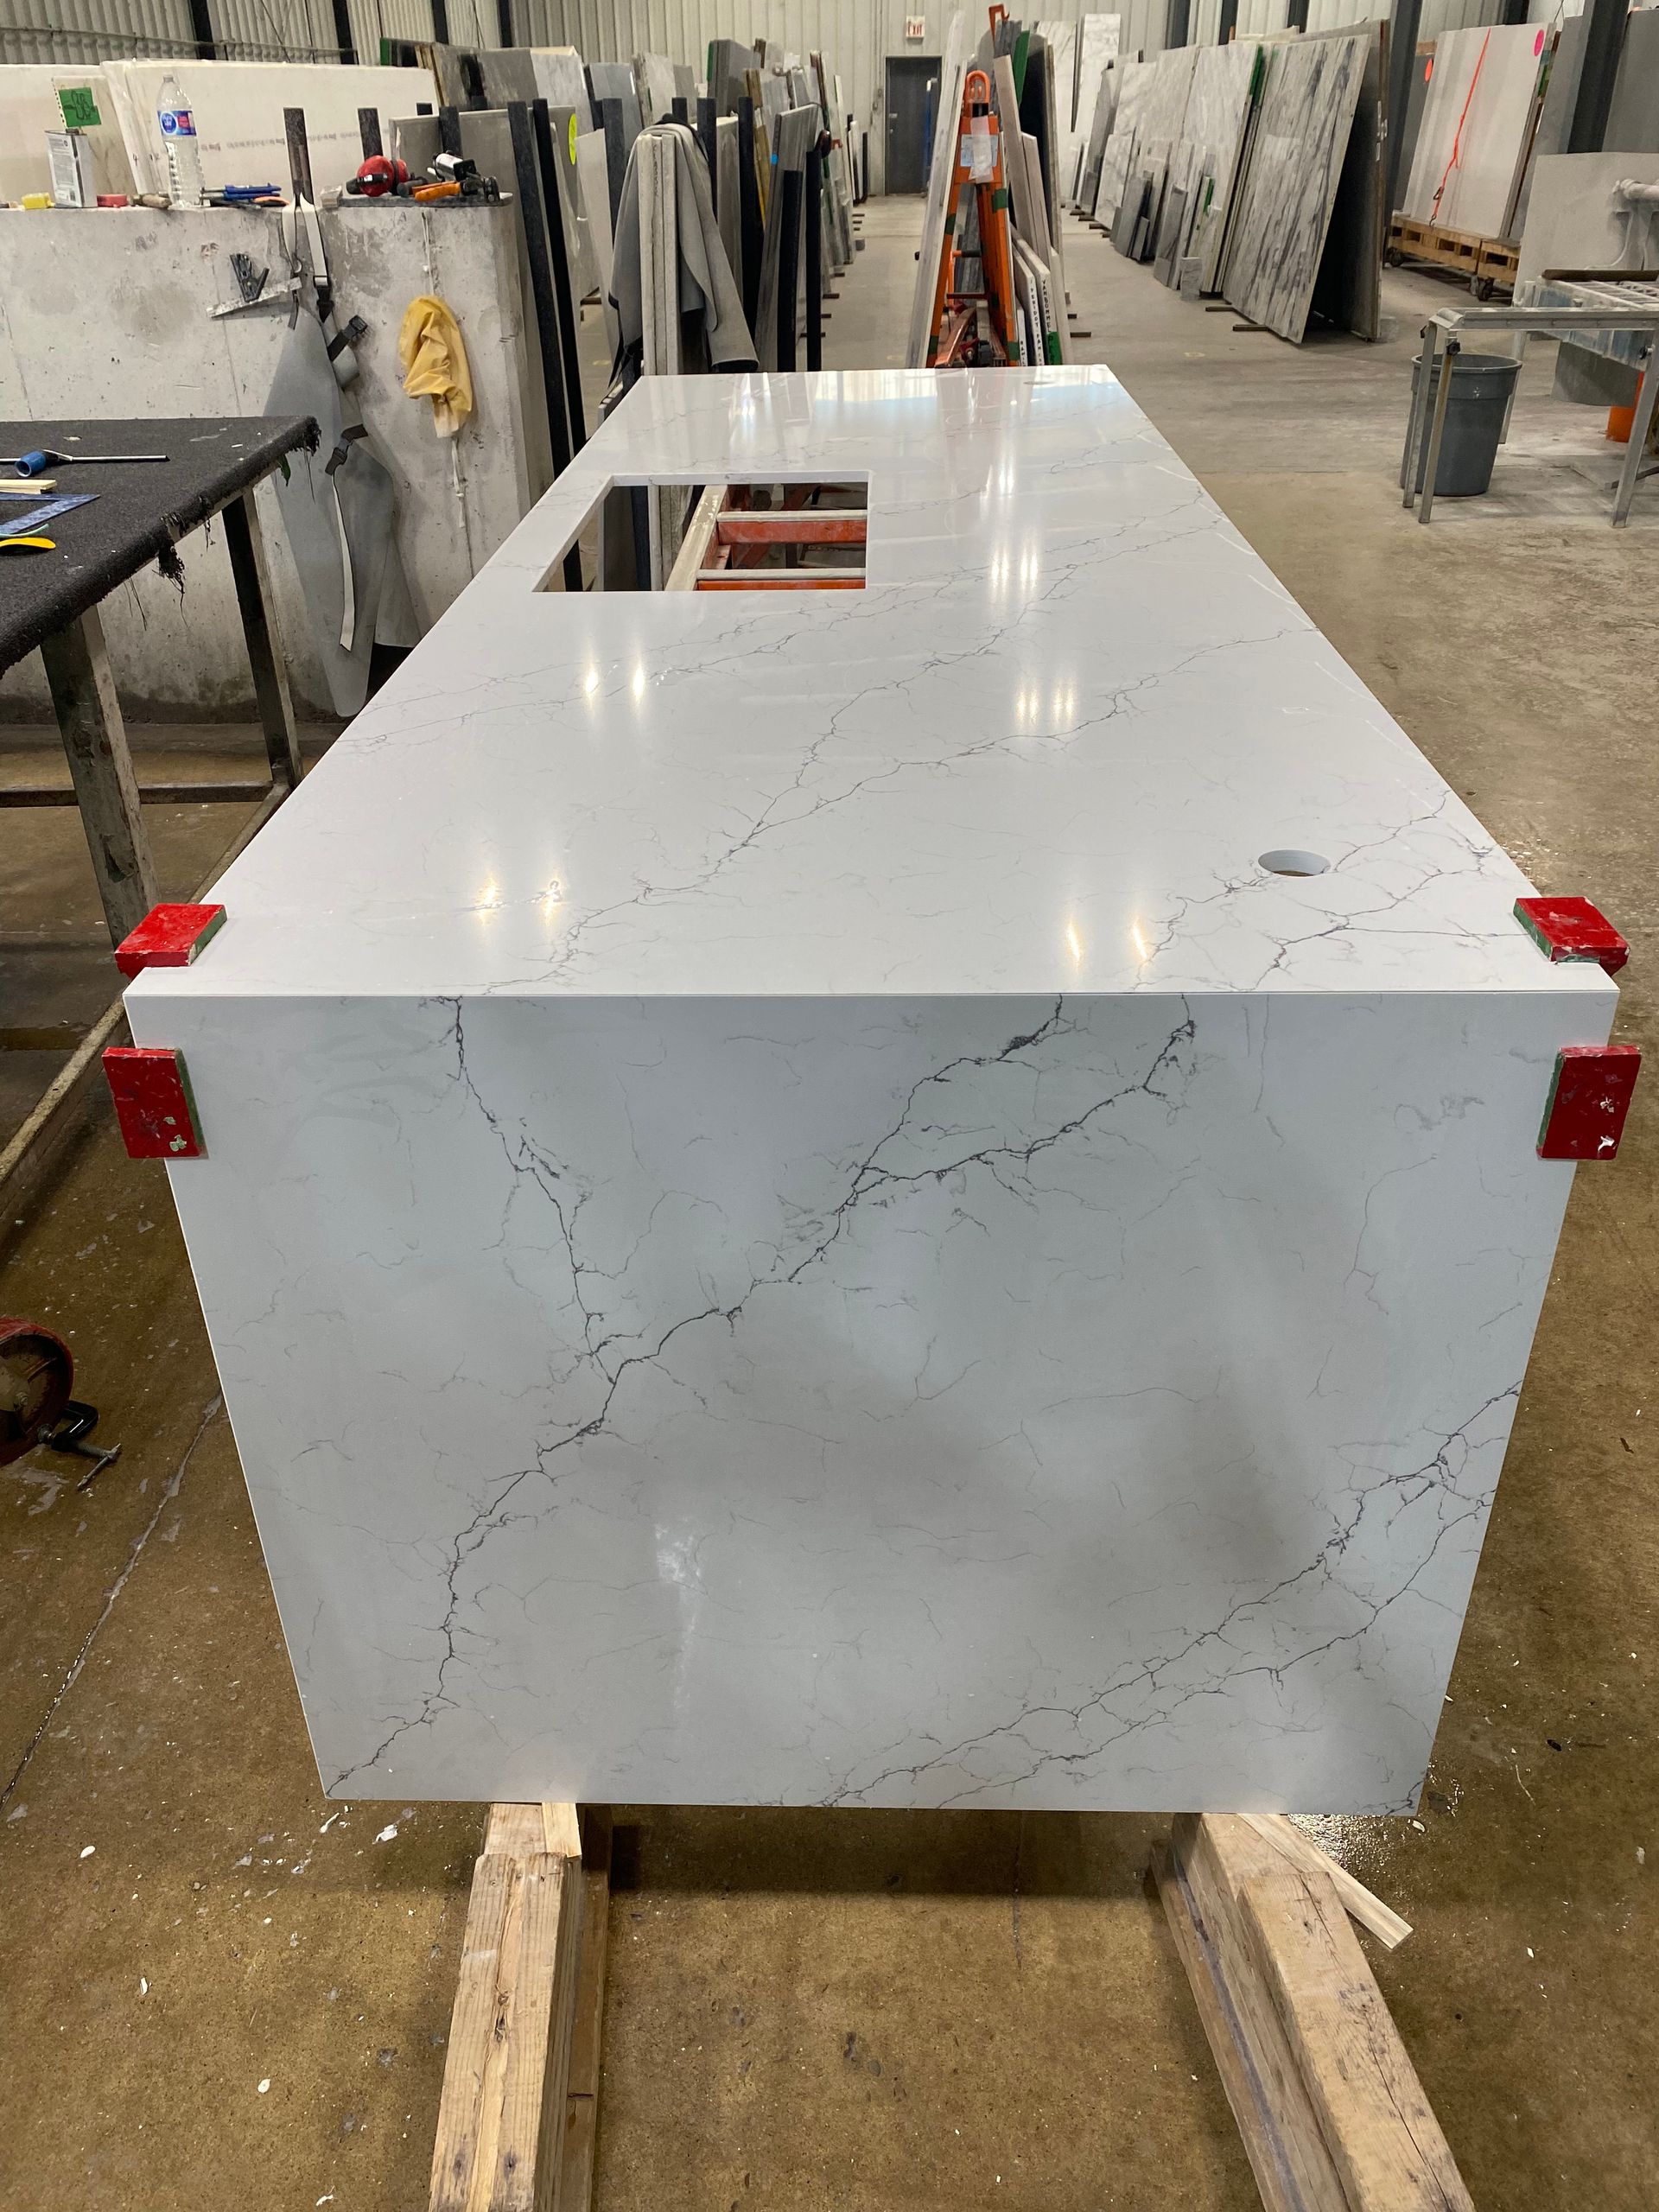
column 791, row 1216
column 1289, row 185
column 1135, row 90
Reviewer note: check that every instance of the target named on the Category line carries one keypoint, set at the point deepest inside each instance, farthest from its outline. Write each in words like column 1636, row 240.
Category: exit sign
column 915, row 26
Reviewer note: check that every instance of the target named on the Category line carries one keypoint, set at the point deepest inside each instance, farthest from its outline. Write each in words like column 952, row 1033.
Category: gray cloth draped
column 705, row 274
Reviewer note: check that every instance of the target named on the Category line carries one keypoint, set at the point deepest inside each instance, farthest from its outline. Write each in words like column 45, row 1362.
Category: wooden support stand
column 1333, row 2115
column 521, row 2076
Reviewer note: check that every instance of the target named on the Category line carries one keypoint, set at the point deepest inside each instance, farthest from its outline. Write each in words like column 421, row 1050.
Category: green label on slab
column 79, row 109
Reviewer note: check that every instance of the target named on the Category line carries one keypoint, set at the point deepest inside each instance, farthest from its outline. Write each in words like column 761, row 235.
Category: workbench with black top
column 51, row 600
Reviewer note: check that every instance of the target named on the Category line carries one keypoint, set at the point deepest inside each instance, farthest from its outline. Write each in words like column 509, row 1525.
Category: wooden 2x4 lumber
column 1377, row 1919
column 1378, row 2124
column 1333, row 2115
column 1276, row 2121
column 581, row 2095
column 502, row 2113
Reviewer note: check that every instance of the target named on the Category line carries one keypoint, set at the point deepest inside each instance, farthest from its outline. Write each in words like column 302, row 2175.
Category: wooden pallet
column 1499, row 260
column 1332, row 2113
column 1489, row 264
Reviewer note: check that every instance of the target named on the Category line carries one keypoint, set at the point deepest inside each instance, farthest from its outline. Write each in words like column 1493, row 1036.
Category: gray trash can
column 1475, row 408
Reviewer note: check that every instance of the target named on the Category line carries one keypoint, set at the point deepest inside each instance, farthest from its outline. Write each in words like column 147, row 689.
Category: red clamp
column 169, row 936
column 1571, row 929
column 153, row 1103
column 1584, row 1116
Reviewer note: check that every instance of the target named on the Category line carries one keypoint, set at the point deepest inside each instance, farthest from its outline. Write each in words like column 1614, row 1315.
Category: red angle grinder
column 37, row 1373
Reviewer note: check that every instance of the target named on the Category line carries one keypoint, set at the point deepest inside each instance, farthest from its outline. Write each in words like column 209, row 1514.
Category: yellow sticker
column 573, row 139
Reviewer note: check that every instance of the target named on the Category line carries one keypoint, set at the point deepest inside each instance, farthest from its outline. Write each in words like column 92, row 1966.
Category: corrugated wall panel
column 93, row 30
column 1439, row 15
column 274, row 30
column 373, row 20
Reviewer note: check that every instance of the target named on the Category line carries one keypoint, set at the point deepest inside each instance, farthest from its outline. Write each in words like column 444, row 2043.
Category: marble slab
column 1212, row 135
column 1301, row 141
column 653, row 74
column 953, row 64
column 791, row 1211
column 1100, row 130
column 1463, row 170
column 1347, row 292
column 1633, row 119
column 1555, row 113
column 1151, row 114
column 562, row 79
column 1135, row 80
column 1171, row 234
column 1098, row 43
column 1039, row 122
column 1163, row 108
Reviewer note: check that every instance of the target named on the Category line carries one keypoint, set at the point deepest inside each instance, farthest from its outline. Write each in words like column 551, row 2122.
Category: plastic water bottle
column 185, row 185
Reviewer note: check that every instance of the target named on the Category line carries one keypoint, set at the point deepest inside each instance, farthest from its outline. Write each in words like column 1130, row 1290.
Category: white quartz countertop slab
column 1042, row 752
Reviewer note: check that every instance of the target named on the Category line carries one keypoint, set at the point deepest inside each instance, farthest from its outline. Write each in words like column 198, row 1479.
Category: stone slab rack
column 1333, row 2115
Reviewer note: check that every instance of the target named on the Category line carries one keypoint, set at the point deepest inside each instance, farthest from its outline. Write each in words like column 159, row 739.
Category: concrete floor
column 218, row 1988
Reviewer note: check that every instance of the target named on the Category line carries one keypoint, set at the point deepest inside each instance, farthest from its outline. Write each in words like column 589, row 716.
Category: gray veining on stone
column 791, row 1213
column 1290, row 186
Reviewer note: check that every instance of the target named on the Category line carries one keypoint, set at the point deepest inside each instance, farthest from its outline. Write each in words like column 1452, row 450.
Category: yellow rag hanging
column 434, row 358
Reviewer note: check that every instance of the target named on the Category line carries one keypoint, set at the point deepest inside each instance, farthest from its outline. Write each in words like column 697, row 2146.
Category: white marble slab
column 653, row 73
column 1151, row 112
column 1134, row 82
column 1163, row 110
column 941, row 175
column 790, row 1213
column 1099, row 132
column 1471, row 140
column 1218, row 108
column 1097, row 43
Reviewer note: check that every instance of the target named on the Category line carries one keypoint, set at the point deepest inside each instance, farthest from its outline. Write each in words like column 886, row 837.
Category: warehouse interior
column 227, row 1973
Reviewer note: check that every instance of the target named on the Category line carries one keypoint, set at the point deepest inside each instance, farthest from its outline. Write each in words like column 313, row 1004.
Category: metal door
column 912, row 89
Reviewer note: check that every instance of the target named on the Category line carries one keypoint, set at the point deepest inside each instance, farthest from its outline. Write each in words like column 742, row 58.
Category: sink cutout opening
column 1289, row 862
column 773, row 537
column 747, row 537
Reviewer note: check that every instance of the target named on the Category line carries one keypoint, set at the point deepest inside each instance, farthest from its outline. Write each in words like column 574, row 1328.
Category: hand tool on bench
column 34, row 464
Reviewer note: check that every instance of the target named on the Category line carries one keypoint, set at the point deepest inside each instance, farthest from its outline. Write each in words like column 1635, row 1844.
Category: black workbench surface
column 139, row 512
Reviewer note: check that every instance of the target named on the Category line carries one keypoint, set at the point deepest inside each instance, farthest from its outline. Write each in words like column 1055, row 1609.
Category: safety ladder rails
column 955, row 337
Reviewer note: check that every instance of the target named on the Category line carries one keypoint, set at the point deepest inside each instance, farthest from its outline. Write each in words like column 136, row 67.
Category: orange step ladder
column 954, row 338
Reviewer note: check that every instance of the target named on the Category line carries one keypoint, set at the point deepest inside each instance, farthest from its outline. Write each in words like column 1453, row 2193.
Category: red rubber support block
column 153, row 1103
column 169, row 936
column 1584, row 1117
column 1571, row 929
